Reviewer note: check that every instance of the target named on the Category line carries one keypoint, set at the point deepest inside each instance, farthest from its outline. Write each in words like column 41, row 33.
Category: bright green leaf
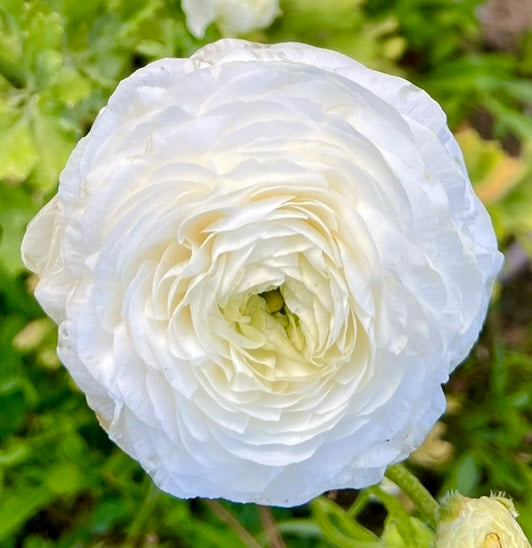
column 18, row 505
column 18, row 152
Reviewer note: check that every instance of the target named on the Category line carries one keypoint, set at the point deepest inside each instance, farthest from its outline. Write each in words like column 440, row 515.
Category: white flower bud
column 486, row 522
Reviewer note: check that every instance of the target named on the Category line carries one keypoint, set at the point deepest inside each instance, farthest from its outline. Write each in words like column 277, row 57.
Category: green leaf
column 64, row 478
column 71, row 87
column 108, row 513
column 18, row 152
column 43, row 37
column 300, row 527
column 18, row 505
column 392, row 538
column 55, row 143
column 16, row 210
column 466, row 475
column 14, row 452
column 338, row 527
column 16, row 394
column 11, row 71
column 513, row 119
column 397, row 516
column 36, row 541
column 520, row 89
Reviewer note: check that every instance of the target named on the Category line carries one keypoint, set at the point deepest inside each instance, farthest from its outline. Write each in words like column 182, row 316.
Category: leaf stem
column 416, row 491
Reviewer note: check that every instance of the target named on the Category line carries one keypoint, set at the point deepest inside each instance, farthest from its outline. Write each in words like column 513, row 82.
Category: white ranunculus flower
column 232, row 17
column 264, row 261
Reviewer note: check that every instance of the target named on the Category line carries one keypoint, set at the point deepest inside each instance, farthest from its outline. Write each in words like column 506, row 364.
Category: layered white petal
column 264, row 261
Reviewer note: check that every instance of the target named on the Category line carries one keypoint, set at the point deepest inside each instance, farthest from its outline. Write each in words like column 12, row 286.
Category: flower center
column 265, row 317
column 274, row 301
column 276, row 346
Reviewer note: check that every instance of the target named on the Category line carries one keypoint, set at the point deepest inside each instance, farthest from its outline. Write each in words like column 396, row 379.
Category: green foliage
column 444, row 50
column 490, row 438
column 375, row 42
column 503, row 183
column 59, row 61
column 62, row 482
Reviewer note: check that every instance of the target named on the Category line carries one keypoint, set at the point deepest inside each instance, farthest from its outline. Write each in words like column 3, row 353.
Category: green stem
column 143, row 513
column 360, row 503
column 397, row 514
column 415, row 490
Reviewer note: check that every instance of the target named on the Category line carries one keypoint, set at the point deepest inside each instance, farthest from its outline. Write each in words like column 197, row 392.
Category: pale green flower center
column 266, row 318
column 277, row 344
column 274, row 301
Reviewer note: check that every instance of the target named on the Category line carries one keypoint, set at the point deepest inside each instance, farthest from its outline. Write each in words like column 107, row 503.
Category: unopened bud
column 486, row 522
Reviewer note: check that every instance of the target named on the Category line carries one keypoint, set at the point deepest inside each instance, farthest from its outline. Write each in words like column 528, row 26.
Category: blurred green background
column 62, row 483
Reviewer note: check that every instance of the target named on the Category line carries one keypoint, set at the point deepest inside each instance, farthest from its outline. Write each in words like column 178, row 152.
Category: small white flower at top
column 232, row 17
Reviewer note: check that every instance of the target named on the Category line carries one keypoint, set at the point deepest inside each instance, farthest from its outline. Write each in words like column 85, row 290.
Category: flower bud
column 486, row 522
